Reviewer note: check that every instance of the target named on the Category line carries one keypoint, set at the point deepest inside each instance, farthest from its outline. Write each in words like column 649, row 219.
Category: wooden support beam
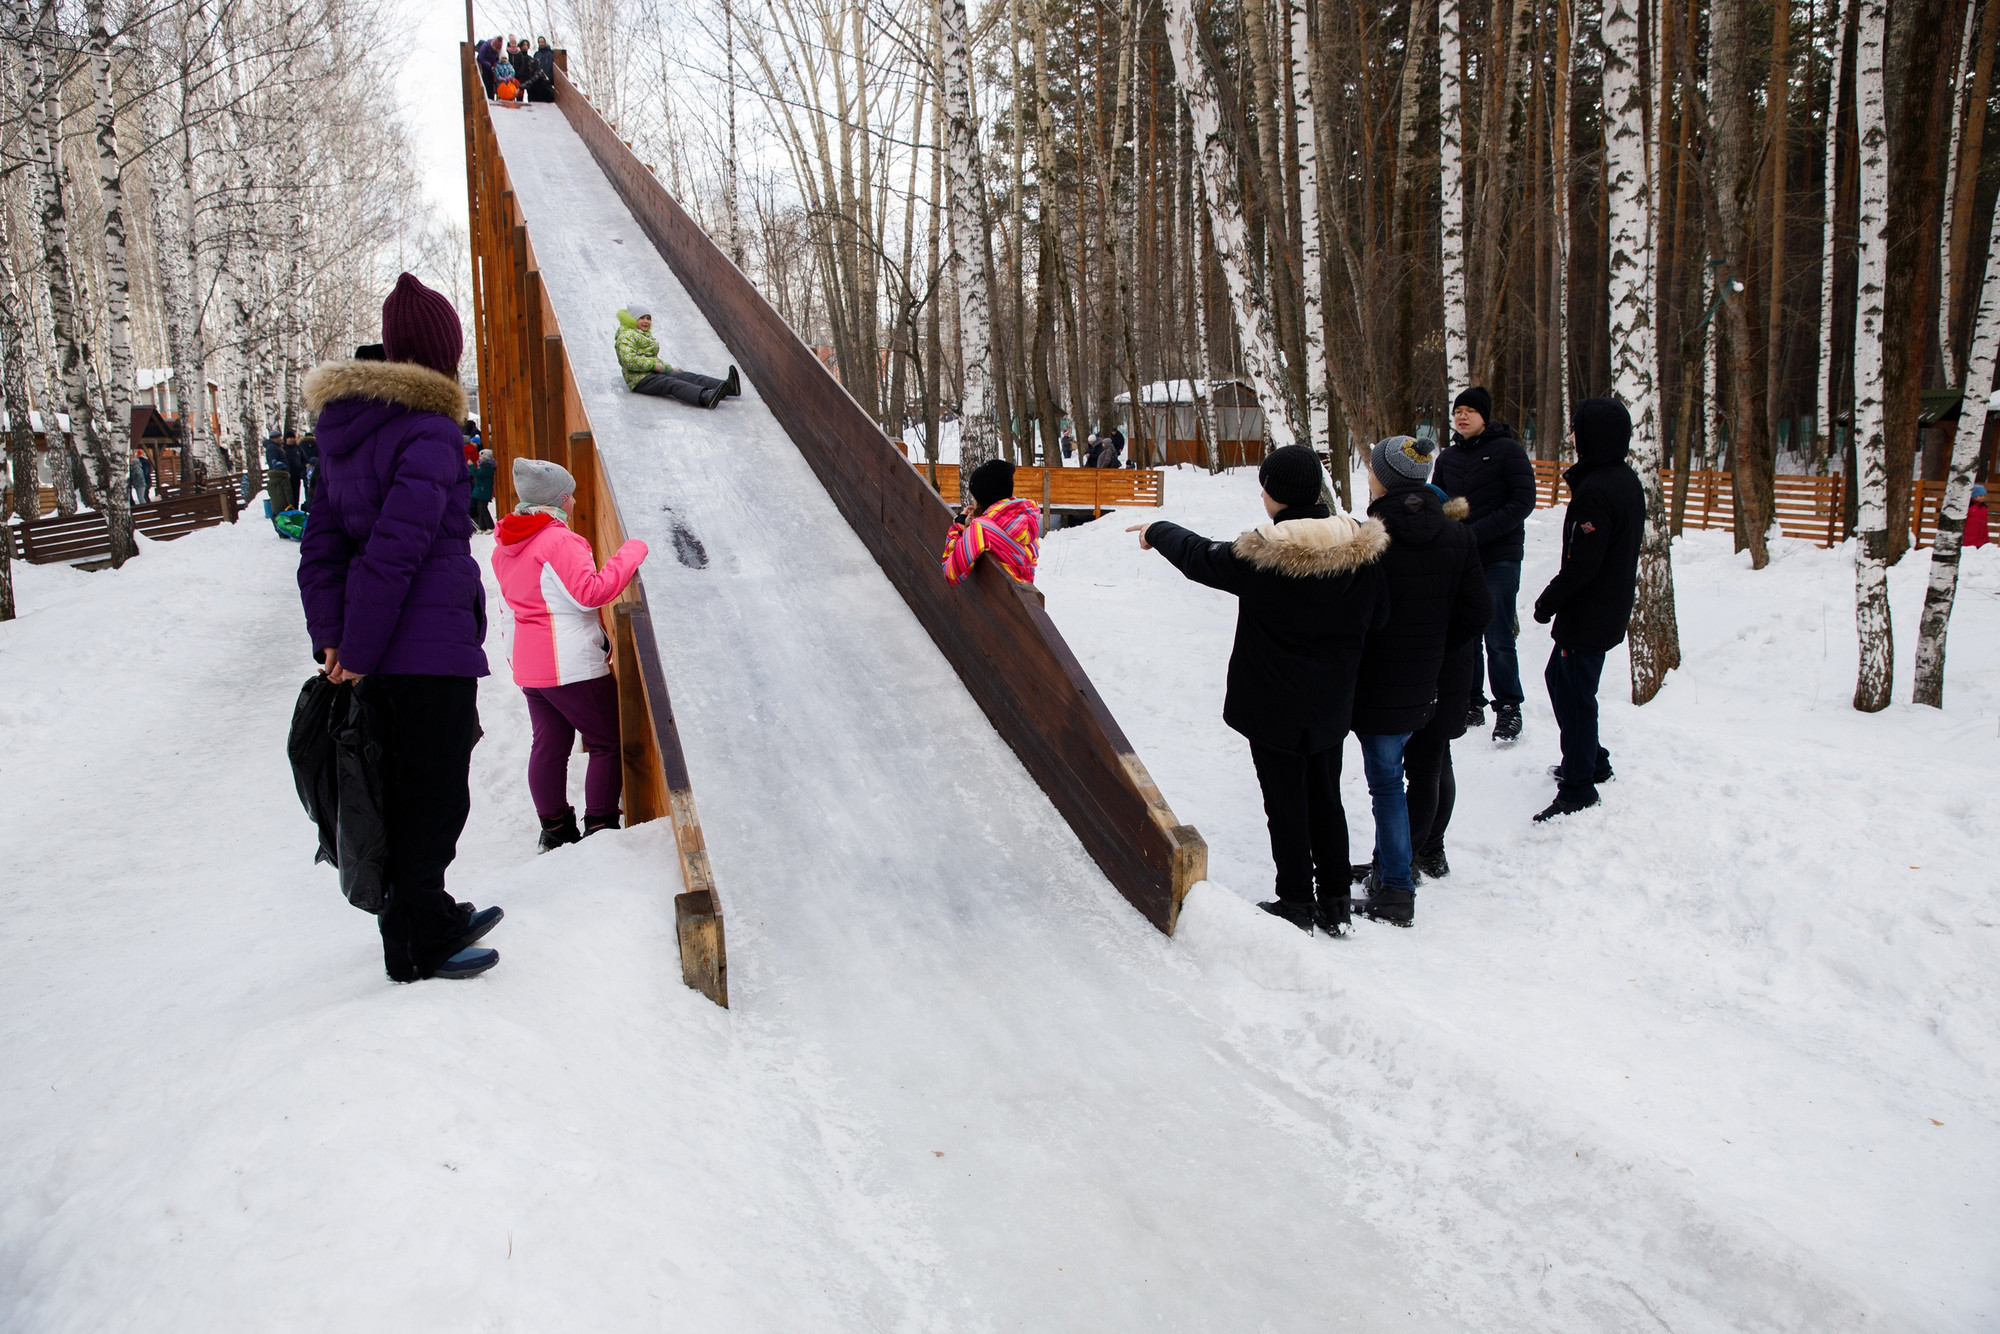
column 586, row 518
column 642, row 801
column 554, row 424
column 704, row 962
column 535, row 361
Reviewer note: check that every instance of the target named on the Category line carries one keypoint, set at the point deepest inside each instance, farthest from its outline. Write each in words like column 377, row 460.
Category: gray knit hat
column 1402, row 461
column 539, row 482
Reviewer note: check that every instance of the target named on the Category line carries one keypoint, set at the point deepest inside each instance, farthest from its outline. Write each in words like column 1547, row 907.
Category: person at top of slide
column 639, row 361
column 996, row 521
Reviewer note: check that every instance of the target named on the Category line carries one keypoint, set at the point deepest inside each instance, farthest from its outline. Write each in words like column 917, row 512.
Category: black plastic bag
column 336, row 752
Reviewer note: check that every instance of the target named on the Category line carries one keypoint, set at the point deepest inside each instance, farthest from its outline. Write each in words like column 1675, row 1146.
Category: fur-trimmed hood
column 1306, row 548
column 1457, row 508
column 404, row 383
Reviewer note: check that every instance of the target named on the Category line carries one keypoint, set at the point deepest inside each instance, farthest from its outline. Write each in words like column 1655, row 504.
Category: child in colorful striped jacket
column 996, row 521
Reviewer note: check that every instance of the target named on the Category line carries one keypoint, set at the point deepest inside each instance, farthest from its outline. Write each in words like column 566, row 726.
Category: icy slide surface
column 1022, row 1080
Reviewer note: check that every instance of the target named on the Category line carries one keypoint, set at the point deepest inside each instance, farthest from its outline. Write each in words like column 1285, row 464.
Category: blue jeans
column 1382, row 761
column 1502, row 663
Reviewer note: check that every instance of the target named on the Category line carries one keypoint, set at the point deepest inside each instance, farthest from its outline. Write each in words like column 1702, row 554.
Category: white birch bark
column 1221, row 175
column 1875, row 676
column 979, row 435
column 1309, row 234
column 1823, row 421
column 729, row 204
column 1948, row 536
column 21, row 453
column 1953, row 82
column 1451, row 170
column 118, row 286
column 1655, row 639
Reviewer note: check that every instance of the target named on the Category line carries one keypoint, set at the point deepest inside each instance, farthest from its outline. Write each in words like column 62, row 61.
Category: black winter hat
column 1478, row 400
column 992, row 482
column 1603, row 430
column 1292, row 477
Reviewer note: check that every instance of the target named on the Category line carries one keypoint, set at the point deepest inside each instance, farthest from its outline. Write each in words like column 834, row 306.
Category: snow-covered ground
column 1719, row 1055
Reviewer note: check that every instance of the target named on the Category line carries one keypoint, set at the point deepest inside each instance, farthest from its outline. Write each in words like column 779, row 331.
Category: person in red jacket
column 1976, row 534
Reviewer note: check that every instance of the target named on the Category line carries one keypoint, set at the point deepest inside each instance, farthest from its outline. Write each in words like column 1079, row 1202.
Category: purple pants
column 558, row 714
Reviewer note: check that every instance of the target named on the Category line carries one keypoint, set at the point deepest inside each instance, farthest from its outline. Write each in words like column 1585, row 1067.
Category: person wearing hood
column 1977, row 529
column 558, row 649
column 645, row 373
column 1438, row 602
column 394, row 605
column 1486, row 465
column 487, row 56
column 1590, row 599
column 1310, row 591
column 482, row 491
column 997, row 522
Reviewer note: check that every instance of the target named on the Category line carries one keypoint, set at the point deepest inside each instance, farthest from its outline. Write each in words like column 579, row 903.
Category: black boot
column 558, row 830
column 1333, row 914
column 1506, row 724
column 594, row 823
column 1566, row 805
column 710, row 397
column 1431, row 864
column 731, row 386
column 1299, row 915
column 1475, row 716
column 1397, row 907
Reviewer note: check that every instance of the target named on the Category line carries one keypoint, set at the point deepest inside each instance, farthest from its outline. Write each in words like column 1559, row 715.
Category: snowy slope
column 1755, row 981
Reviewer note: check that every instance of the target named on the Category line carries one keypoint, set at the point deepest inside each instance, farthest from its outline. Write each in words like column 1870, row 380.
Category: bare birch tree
column 1876, row 674
column 971, row 257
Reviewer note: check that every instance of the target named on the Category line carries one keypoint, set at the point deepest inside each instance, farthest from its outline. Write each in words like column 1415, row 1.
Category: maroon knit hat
column 420, row 325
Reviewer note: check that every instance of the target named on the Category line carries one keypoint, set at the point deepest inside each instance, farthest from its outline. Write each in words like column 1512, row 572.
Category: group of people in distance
column 514, row 72
column 1376, row 625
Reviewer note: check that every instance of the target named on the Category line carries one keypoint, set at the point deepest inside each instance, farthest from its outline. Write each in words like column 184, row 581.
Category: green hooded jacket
column 637, row 350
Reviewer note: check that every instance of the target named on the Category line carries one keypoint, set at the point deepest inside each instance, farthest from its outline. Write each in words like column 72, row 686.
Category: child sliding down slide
column 558, row 649
column 645, row 373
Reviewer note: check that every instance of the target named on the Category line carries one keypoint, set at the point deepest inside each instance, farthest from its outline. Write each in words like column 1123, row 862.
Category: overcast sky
column 429, row 89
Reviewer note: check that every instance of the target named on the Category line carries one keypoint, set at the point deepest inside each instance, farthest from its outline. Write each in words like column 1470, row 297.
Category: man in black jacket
column 1590, row 599
column 1438, row 601
column 1309, row 588
column 1486, row 465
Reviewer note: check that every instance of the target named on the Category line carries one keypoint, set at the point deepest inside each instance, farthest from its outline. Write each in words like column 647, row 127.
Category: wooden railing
column 994, row 632
column 87, row 536
column 1808, row 507
column 532, row 409
column 1093, row 489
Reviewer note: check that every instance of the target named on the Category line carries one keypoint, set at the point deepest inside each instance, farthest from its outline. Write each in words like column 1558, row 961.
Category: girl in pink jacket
column 559, row 651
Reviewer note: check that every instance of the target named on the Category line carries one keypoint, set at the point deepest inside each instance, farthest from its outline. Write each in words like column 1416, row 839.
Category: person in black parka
column 1486, row 464
column 1438, row 602
column 1432, row 786
column 1309, row 589
column 1590, row 599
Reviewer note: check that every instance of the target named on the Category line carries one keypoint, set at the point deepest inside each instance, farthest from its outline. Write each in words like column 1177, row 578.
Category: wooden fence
column 993, row 631
column 1808, row 507
column 532, row 409
column 87, row 536
column 1093, row 489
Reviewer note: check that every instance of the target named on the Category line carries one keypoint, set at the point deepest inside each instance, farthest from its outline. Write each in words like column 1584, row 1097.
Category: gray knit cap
column 539, row 482
column 1402, row 461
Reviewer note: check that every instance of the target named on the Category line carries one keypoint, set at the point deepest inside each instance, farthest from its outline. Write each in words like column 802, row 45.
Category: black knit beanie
column 1478, row 400
column 1603, row 430
column 992, row 481
column 1292, row 477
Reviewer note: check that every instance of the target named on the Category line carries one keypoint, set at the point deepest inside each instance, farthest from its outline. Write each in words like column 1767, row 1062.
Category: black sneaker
column 1431, row 865
column 1603, row 774
column 594, row 824
column 1333, row 916
column 1299, row 915
column 1475, row 716
column 1563, row 805
column 1506, row 724
column 467, row 963
column 711, row 397
column 480, row 923
column 558, row 830
column 731, row 386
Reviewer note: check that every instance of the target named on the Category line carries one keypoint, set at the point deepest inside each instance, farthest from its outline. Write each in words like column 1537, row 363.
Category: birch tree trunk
column 1876, row 675
column 1221, row 175
column 1948, row 538
column 1451, row 172
column 1564, row 72
column 21, row 452
column 1823, row 421
column 111, row 186
column 1947, row 287
column 1655, row 641
column 1309, row 233
column 978, row 440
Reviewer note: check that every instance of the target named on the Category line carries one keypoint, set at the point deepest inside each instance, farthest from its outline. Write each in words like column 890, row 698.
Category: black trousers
column 430, row 724
column 1432, row 791
column 1308, row 827
column 1572, row 679
column 482, row 515
column 683, row 385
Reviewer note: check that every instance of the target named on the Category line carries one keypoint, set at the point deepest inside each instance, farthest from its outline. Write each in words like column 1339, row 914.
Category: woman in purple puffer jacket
column 395, row 606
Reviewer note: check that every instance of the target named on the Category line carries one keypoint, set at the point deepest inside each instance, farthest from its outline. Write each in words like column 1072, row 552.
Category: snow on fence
column 993, row 632
column 1810, row 507
column 533, row 409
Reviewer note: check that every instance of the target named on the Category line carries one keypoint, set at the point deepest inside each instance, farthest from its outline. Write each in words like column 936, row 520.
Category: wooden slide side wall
column 994, row 633
column 531, row 409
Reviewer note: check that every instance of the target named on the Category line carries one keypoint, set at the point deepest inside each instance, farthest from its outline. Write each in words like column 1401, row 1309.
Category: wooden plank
column 641, row 800
column 704, row 962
